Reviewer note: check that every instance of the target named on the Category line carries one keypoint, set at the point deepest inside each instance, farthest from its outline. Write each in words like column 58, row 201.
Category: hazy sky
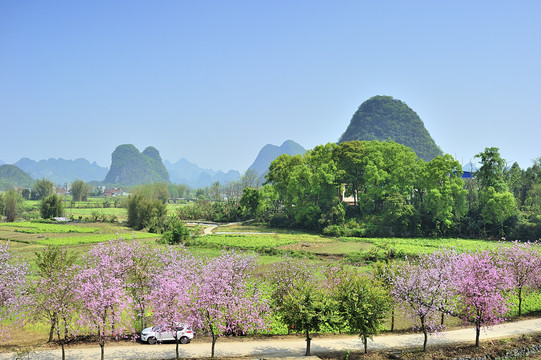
column 214, row 81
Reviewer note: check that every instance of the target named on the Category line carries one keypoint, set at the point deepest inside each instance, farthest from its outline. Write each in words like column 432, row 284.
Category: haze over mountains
column 378, row 118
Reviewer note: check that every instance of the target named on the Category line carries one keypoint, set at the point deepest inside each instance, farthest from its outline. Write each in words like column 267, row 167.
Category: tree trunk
column 477, row 332
column 308, row 341
column 62, row 341
column 213, row 343
column 102, row 346
column 392, row 320
column 442, row 318
column 423, row 327
column 176, row 341
column 53, row 325
column 520, row 301
column 365, row 342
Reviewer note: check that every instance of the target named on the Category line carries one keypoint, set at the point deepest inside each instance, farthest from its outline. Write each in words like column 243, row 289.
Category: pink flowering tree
column 224, row 300
column 136, row 264
column 425, row 288
column 54, row 292
column 105, row 308
column 481, row 287
column 523, row 263
column 170, row 298
column 12, row 287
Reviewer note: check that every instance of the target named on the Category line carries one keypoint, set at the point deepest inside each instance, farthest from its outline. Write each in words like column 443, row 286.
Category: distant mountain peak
column 131, row 167
column 270, row 152
column 384, row 118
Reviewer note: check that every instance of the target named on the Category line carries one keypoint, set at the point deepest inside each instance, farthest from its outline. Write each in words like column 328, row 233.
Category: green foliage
column 53, row 259
column 11, row 204
column 51, row 206
column 249, row 201
column 79, row 190
column 42, row 189
column 363, row 304
column 156, row 191
column 384, row 118
column 499, row 209
column 492, row 170
column 145, row 213
column 175, row 232
column 308, row 309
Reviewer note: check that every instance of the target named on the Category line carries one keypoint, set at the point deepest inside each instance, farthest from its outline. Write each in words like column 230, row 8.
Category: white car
column 160, row 333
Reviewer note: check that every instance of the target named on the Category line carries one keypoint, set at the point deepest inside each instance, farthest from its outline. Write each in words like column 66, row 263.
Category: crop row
column 37, row 228
column 91, row 239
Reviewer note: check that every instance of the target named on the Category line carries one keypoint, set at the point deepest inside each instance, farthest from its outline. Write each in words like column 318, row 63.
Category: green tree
column 12, row 202
column 325, row 189
column 144, row 212
column 215, row 192
column 26, row 193
column 156, row 191
column 498, row 210
column 308, row 309
column 249, row 201
column 250, row 179
column 492, row 170
column 51, row 206
column 363, row 304
column 440, row 195
column 79, row 190
column 351, row 166
column 513, row 177
column 183, row 190
column 42, row 188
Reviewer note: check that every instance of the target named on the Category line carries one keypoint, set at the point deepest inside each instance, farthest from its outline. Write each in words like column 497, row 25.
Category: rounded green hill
column 384, row 118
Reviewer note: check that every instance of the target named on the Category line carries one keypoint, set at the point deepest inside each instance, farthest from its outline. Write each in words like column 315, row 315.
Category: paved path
column 285, row 348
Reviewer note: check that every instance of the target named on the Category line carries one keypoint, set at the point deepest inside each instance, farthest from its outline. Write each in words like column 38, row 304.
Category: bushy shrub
column 174, row 232
column 51, row 206
column 348, row 229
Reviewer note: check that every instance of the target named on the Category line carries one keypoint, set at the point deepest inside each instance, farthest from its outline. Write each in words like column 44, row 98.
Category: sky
column 215, row 81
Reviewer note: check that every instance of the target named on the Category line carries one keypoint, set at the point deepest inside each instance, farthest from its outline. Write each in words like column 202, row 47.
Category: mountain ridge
column 61, row 171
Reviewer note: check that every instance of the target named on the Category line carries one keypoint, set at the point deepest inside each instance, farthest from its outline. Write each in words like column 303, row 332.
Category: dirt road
column 285, row 348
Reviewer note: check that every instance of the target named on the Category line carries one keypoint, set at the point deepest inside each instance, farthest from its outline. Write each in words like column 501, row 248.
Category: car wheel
column 152, row 340
column 184, row 340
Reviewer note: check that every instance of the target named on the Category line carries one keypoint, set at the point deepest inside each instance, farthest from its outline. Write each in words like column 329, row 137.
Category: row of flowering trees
column 116, row 288
column 477, row 287
column 120, row 287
